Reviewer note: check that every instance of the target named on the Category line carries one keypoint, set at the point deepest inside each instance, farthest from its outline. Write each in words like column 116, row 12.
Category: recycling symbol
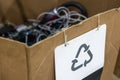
column 86, row 49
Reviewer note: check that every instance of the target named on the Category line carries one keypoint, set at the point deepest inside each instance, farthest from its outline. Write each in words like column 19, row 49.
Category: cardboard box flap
column 31, row 9
column 10, row 11
column 16, row 10
column 96, row 6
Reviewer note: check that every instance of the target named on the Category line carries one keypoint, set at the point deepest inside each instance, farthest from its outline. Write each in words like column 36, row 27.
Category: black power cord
column 76, row 5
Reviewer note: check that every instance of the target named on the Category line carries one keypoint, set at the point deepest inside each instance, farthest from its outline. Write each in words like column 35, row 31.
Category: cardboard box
column 20, row 62
column 117, row 68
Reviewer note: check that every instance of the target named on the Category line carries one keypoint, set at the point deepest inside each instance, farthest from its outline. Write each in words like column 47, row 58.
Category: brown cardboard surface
column 13, row 62
column 117, row 68
column 19, row 62
column 11, row 11
column 32, row 8
column 96, row 6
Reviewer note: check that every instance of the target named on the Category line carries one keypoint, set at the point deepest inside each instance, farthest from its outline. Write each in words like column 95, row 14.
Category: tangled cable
column 45, row 25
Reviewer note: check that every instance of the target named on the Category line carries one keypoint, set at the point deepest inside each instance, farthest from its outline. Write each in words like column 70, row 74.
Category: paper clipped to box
column 82, row 56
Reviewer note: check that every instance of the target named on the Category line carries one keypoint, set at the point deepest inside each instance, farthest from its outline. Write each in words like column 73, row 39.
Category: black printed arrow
column 85, row 47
